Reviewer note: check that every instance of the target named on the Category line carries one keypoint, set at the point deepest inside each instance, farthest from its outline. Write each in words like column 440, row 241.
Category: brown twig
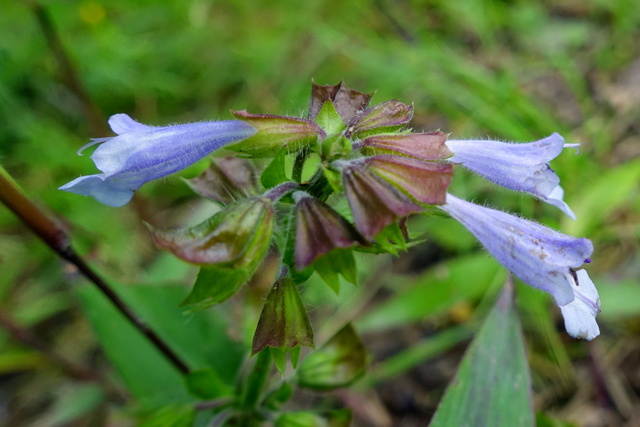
column 56, row 238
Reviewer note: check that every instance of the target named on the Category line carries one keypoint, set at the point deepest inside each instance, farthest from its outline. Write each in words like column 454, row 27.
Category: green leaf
column 417, row 354
column 207, row 384
column 283, row 322
column 294, row 355
column 329, row 119
column 338, row 363
column 336, row 147
column 609, row 191
column 147, row 374
column 75, row 403
column 275, row 399
column 436, row 291
column 620, row 299
column 275, row 172
column 334, row 178
column 545, row 420
column 492, row 386
column 214, row 285
column 391, row 239
column 337, row 418
column 279, row 356
column 178, row 415
column 338, row 262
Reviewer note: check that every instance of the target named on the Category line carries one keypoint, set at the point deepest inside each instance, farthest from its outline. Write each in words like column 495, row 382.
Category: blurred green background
column 510, row 70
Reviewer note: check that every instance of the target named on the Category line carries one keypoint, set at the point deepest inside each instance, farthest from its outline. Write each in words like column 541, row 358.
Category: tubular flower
column 540, row 257
column 520, row 167
column 141, row 153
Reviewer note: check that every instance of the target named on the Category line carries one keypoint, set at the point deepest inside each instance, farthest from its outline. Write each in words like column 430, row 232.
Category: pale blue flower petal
column 537, row 255
column 580, row 314
column 555, row 198
column 141, row 153
column 122, row 123
column 520, row 167
column 106, row 191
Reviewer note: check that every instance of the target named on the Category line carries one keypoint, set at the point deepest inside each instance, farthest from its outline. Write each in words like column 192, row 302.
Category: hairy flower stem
column 281, row 189
column 56, row 238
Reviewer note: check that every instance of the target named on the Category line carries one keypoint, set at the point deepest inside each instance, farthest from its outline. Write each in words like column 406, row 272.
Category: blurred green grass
column 511, row 70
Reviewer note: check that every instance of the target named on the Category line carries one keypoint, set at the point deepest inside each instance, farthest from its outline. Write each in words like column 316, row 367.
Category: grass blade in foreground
column 492, row 387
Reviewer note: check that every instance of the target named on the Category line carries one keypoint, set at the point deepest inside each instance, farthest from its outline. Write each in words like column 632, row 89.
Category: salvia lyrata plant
column 345, row 153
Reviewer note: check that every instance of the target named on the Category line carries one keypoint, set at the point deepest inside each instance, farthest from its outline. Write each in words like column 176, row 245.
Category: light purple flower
column 520, row 167
column 141, row 153
column 540, row 257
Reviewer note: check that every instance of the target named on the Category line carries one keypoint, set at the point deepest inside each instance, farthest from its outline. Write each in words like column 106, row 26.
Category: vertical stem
column 256, row 380
column 55, row 237
column 298, row 166
column 68, row 71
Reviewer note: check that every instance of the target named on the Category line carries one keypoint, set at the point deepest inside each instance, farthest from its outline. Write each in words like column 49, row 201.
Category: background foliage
column 513, row 70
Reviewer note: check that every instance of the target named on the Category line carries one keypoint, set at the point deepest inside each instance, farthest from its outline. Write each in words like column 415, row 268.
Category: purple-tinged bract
column 375, row 203
column 319, row 229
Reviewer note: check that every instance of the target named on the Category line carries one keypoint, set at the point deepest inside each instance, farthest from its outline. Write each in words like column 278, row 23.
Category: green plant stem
column 298, row 165
column 256, row 380
column 55, row 237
